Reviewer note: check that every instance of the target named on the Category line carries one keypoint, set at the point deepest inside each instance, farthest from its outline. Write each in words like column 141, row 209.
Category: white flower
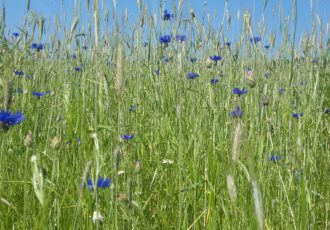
column 97, row 217
column 168, row 162
column 34, row 158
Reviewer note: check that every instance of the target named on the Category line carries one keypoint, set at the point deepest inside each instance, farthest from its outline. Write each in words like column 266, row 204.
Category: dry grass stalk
column 258, row 204
column 119, row 72
column 237, row 142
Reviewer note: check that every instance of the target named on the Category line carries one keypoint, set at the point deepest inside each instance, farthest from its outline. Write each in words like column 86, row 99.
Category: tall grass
column 190, row 164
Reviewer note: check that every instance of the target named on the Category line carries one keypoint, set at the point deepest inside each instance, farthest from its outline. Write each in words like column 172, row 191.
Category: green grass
column 186, row 121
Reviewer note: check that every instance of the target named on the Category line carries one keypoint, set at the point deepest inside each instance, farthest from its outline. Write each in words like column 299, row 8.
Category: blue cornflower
column 255, row 40
column 165, row 39
column 239, row 92
column 215, row 58
column 326, row 111
column 193, row 59
column 214, row 81
column 297, row 115
column 101, row 183
column 40, row 94
column 165, row 59
column 36, row 46
column 73, row 56
column 281, row 90
column 16, row 35
column 192, row 75
column 275, row 158
column 315, row 61
column 108, row 62
column 145, row 44
column 167, row 16
column 127, row 136
column 237, row 112
column 181, row 38
column 156, row 72
column 78, row 68
column 9, row 119
column 228, row 44
column 267, row 47
column 19, row 72
column 132, row 108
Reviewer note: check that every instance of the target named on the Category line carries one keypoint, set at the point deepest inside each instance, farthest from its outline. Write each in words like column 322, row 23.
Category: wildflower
column 10, row 119
column 214, row 81
column 297, row 115
column 255, row 40
column 101, row 183
column 36, row 46
column 165, row 162
column 267, row 47
column 40, row 94
column 132, row 108
column 192, row 75
column 145, row 44
column 281, row 90
column 165, row 39
column 34, row 159
column 127, row 136
column 315, row 61
column 193, row 59
column 215, row 58
column 237, row 112
column 78, row 68
column 228, row 44
column 275, row 158
column 249, row 73
column 16, row 35
column 180, row 38
column 97, row 217
column 239, row 92
column 156, row 72
column 73, row 56
column 19, row 73
column 165, row 59
column 108, row 62
column 167, row 16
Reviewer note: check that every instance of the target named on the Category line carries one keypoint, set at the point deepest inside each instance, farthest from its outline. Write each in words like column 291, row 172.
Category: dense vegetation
column 189, row 130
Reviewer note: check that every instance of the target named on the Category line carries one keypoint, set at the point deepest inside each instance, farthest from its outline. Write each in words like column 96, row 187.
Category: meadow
column 171, row 126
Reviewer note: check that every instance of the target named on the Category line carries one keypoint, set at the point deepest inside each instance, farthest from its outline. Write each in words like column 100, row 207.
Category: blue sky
column 16, row 10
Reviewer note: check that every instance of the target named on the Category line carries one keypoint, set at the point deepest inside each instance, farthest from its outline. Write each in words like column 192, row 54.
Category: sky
column 17, row 9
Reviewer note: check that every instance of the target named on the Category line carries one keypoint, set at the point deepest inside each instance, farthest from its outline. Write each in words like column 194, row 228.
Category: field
column 171, row 127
